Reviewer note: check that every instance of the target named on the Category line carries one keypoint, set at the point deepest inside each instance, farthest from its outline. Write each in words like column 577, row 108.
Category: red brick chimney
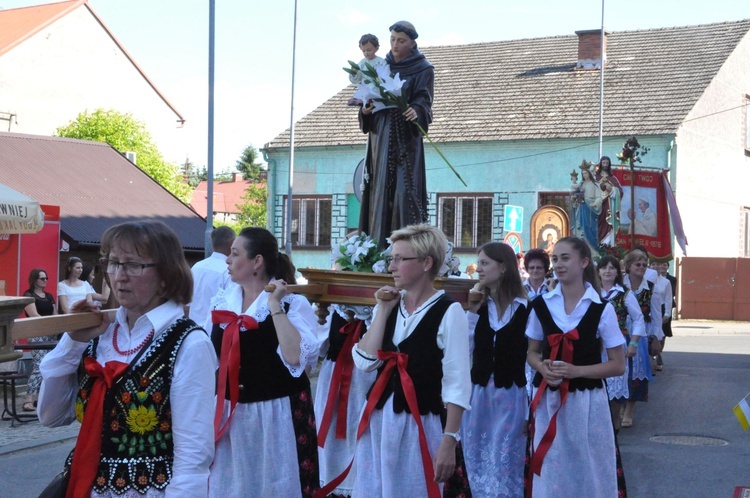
column 590, row 48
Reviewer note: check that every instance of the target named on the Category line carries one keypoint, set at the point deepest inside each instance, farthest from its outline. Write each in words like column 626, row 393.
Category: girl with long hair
column 493, row 431
column 571, row 429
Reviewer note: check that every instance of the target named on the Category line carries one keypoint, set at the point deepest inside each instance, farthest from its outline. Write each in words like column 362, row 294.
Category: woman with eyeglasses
column 72, row 289
column 636, row 263
column 142, row 386
column 418, row 337
column 43, row 305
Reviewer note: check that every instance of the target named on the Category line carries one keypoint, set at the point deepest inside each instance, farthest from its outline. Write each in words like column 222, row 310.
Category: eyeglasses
column 43, row 278
column 131, row 269
column 397, row 260
column 640, row 265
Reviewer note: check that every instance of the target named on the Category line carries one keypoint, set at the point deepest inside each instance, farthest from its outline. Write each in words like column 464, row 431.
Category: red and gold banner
column 644, row 216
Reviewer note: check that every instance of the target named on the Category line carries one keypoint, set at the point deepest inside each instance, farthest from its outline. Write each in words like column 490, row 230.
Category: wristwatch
column 454, row 435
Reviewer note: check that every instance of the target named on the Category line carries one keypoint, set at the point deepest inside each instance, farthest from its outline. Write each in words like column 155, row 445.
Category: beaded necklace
column 133, row 350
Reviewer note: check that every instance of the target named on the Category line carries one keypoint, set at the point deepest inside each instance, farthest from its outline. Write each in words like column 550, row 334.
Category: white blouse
column 452, row 339
column 637, row 323
column 300, row 314
column 191, row 395
column 608, row 329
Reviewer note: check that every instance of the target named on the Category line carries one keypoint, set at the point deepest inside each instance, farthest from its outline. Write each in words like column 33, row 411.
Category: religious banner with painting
column 644, row 217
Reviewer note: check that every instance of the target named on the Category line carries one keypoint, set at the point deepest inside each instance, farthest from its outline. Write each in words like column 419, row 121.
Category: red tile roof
column 17, row 25
column 94, row 185
column 227, row 196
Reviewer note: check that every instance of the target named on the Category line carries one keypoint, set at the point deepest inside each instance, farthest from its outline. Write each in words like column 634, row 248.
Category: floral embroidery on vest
column 137, row 445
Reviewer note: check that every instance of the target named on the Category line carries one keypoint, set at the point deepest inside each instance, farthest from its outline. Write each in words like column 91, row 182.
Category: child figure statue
column 369, row 46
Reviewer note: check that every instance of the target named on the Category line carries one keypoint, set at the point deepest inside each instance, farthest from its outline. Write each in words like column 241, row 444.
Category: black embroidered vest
column 618, row 301
column 425, row 365
column 137, row 445
column 587, row 350
column 506, row 358
column 644, row 301
column 263, row 375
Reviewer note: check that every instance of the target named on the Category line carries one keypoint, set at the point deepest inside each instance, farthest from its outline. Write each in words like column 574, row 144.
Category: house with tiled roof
column 95, row 187
column 227, row 198
column 60, row 59
column 515, row 117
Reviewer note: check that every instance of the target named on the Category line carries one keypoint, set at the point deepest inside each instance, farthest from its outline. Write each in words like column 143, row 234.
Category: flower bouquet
column 359, row 253
column 384, row 90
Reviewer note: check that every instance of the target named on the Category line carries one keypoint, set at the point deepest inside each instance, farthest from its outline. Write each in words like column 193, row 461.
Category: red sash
column 229, row 364
column 392, row 360
column 87, row 453
column 341, row 381
column 555, row 341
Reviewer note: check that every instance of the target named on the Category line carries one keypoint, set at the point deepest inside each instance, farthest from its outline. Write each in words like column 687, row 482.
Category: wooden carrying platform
column 325, row 287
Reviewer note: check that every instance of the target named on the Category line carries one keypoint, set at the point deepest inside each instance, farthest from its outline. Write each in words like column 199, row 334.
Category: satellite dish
column 357, row 182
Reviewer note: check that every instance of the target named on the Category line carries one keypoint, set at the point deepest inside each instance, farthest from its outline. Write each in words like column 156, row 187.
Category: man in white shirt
column 211, row 274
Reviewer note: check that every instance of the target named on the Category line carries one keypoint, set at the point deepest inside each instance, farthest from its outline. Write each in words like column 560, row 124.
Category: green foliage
column 126, row 134
column 249, row 165
column 253, row 209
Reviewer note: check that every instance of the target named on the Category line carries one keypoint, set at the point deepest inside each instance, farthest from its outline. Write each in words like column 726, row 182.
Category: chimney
column 590, row 48
column 236, row 177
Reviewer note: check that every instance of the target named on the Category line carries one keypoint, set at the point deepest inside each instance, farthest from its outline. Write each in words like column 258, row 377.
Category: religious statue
column 586, row 206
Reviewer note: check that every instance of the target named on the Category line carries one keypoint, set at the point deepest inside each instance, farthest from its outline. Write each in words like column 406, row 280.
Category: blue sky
column 169, row 41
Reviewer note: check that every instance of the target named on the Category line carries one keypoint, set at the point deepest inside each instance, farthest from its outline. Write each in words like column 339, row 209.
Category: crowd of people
column 199, row 384
column 516, row 394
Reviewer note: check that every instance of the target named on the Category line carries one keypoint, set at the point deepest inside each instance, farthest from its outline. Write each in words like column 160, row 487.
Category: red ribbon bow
column 341, row 381
column 392, row 360
column 229, row 364
column 86, row 455
column 555, row 341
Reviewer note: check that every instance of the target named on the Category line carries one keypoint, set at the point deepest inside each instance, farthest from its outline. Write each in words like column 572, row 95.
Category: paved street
column 685, row 442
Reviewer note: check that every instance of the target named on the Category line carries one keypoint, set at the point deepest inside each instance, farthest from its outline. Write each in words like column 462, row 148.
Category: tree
column 249, row 165
column 253, row 209
column 126, row 134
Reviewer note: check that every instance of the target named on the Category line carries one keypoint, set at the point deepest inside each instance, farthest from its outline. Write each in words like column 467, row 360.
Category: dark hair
column 154, row 239
column 369, row 38
column 34, row 276
column 538, row 254
column 607, row 259
column 222, row 238
column 584, row 251
column 71, row 263
column 406, row 28
column 87, row 269
column 261, row 241
column 509, row 285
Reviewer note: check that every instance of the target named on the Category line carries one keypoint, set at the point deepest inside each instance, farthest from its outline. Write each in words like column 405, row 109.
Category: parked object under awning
column 18, row 212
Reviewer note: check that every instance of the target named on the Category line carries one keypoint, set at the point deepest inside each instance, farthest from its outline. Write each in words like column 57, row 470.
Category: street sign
column 513, row 218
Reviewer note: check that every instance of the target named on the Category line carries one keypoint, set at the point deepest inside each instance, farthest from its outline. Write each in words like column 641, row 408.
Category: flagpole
column 289, row 205
column 210, row 160
column 601, row 89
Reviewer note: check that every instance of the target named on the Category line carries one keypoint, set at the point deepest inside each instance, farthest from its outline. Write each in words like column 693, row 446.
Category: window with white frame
column 745, row 224
column 311, row 221
column 465, row 219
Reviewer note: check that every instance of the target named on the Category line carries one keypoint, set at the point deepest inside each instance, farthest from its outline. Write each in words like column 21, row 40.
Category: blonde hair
column 426, row 241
